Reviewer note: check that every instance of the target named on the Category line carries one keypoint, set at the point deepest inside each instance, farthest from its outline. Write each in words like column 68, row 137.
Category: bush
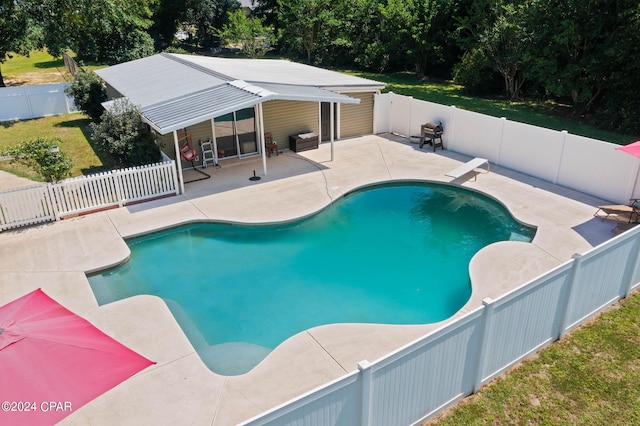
column 44, row 156
column 122, row 133
column 88, row 93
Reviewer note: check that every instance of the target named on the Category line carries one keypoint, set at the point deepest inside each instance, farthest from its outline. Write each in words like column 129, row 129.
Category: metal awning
column 195, row 108
column 178, row 113
column 306, row 93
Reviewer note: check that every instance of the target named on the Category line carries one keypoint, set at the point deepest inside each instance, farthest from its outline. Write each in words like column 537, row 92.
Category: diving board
column 468, row 167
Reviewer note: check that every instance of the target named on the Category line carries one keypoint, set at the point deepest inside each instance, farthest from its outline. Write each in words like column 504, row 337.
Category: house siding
column 357, row 119
column 285, row 118
column 200, row 131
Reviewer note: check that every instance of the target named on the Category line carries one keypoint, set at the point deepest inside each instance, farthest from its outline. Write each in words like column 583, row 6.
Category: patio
column 179, row 388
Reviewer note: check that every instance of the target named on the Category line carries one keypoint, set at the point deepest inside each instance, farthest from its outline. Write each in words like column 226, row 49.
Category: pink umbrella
column 52, row 361
column 633, row 149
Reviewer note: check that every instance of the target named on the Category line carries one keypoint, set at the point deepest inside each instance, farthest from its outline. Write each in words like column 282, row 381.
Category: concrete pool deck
column 179, row 389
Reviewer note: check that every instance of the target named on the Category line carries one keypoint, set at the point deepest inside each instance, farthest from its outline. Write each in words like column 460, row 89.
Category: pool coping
column 179, row 388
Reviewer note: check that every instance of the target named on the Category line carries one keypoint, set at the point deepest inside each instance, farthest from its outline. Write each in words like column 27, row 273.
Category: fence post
column 631, row 268
column 451, row 124
column 568, row 293
column 365, row 375
column 119, row 189
column 53, row 201
column 564, row 142
column 500, row 142
column 485, row 327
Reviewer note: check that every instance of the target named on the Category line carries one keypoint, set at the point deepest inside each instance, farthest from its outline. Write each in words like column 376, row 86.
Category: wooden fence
column 50, row 202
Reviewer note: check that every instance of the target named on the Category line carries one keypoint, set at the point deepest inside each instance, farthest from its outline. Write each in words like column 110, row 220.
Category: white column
column 331, row 125
column 319, row 123
column 178, row 161
column 213, row 139
column 261, row 139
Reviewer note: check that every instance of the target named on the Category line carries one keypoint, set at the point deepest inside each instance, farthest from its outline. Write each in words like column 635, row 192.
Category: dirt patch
column 40, row 77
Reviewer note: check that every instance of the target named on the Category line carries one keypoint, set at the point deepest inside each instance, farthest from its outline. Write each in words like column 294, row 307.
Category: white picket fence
column 53, row 201
column 432, row 373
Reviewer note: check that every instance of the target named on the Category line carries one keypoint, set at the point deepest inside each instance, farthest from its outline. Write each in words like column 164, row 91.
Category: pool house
column 205, row 110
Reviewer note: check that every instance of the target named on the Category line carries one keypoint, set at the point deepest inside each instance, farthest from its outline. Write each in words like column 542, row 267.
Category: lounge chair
column 632, row 209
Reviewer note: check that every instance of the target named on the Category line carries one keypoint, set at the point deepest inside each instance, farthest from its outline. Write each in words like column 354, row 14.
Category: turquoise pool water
column 396, row 253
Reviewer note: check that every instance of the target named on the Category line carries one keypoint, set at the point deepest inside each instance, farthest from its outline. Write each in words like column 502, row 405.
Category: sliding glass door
column 236, row 134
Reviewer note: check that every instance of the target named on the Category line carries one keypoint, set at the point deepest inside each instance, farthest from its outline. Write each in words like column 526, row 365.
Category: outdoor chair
column 632, row 209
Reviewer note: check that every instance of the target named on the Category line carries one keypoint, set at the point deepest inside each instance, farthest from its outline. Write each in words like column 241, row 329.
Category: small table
column 272, row 147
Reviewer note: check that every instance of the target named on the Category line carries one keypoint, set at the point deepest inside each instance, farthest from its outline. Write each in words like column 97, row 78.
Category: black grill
column 431, row 133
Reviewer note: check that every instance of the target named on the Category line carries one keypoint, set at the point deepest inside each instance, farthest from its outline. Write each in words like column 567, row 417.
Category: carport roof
column 232, row 96
column 176, row 91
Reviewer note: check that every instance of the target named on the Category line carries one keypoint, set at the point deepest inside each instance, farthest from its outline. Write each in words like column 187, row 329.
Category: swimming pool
column 395, row 253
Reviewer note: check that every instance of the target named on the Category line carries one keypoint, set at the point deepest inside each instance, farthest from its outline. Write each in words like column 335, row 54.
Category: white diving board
column 467, row 167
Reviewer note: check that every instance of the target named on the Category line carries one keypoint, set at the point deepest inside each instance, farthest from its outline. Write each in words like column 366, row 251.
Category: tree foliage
column 584, row 53
column 18, row 31
column 88, row 94
column 122, row 133
column 248, row 32
column 44, row 156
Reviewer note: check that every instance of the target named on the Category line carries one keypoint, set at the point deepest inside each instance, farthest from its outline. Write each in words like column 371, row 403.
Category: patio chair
column 632, row 209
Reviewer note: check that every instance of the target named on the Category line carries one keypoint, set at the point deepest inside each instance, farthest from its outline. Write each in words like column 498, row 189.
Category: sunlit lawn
column 37, row 68
column 590, row 377
column 447, row 93
column 72, row 129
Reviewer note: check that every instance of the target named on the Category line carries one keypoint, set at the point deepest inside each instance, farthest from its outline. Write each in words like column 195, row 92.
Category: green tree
column 88, row 93
column 44, row 156
column 301, row 23
column 122, row 133
column 109, row 30
column 207, row 16
column 248, row 32
column 494, row 36
column 18, row 32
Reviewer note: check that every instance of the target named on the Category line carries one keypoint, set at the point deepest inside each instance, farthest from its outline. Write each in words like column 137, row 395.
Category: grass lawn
column 37, row 68
column 72, row 129
column 547, row 115
column 590, row 377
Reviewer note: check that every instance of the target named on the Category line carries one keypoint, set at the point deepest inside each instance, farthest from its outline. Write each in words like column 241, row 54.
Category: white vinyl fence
column 587, row 165
column 53, row 201
column 33, row 101
column 432, row 373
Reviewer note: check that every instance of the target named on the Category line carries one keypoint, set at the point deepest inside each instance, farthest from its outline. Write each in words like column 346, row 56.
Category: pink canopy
column 632, row 148
column 52, row 361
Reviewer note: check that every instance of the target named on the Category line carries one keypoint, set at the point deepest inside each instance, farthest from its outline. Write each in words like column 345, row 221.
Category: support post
column 331, row 125
column 632, row 267
column 215, row 142
column 487, row 318
column 261, row 139
column 566, row 307
column 365, row 375
column 178, row 161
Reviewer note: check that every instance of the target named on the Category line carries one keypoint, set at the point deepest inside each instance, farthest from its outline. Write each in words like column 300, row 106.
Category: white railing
column 25, row 206
column 33, row 101
column 49, row 202
column 430, row 374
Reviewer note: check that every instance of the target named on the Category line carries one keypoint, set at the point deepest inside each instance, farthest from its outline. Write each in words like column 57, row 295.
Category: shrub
column 88, row 93
column 44, row 156
column 122, row 133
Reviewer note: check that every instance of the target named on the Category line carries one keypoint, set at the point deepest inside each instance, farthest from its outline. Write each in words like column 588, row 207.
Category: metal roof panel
column 188, row 110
